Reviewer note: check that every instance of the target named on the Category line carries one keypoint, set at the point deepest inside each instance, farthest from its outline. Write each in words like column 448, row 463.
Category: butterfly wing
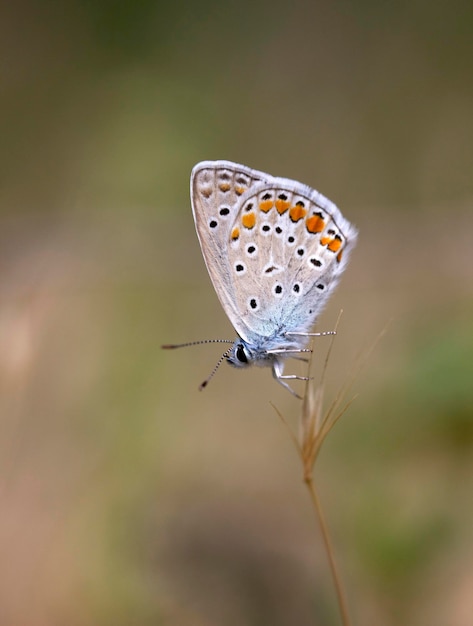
column 288, row 248
column 275, row 256
column 216, row 191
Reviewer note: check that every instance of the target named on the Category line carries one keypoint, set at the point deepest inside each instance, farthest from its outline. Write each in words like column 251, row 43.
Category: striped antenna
column 172, row 346
column 203, row 385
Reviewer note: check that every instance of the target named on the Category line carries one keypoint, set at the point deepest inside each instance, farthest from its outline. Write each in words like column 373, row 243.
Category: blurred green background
column 128, row 497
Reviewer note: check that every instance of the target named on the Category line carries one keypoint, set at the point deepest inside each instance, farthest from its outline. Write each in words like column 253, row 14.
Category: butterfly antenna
column 219, row 362
column 172, row 346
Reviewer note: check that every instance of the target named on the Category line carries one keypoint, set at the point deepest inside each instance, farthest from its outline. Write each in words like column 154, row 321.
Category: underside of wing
column 216, row 191
column 275, row 249
column 288, row 246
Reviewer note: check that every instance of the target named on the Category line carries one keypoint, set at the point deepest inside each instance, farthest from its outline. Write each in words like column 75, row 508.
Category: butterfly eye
column 240, row 354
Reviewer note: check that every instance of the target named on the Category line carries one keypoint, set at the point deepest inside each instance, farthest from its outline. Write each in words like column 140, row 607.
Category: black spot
column 338, row 237
column 331, row 232
column 249, row 206
column 316, row 262
column 267, row 196
column 239, row 267
column 278, row 289
column 278, row 229
column 319, row 214
column 250, row 249
column 270, row 269
column 253, row 303
column 296, row 288
column 300, row 203
column 320, row 286
column 225, row 176
column 282, row 196
column 240, row 354
column 213, row 224
column 224, row 211
column 266, row 227
column 301, row 251
column 291, row 239
column 241, row 181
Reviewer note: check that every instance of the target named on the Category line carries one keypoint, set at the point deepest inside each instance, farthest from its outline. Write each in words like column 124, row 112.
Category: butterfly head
column 244, row 354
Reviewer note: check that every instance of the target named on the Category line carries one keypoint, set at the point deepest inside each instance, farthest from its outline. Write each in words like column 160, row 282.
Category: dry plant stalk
column 315, row 424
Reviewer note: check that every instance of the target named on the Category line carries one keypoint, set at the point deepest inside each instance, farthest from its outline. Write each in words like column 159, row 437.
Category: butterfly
column 275, row 250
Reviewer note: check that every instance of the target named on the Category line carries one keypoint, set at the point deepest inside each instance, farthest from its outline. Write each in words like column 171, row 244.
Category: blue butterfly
column 275, row 250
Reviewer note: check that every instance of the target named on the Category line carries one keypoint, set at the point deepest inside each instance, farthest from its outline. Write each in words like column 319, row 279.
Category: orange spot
column 324, row 241
column 235, row 233
column 224, row 187
column 206, row 192
column 266, row 205
column 248, row 220
column 282, row 206
column 297, row 213
column 315, row 224
column 239, row 190
column 339, row 256
column 335, row 244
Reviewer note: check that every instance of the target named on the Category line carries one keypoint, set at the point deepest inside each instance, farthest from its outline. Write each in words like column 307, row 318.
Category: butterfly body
column 275, row 250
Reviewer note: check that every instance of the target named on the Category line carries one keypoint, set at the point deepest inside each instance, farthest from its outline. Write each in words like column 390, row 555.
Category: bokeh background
column 128, row 497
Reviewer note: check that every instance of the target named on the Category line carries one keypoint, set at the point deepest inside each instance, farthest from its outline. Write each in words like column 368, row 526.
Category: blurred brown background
column 128, row 497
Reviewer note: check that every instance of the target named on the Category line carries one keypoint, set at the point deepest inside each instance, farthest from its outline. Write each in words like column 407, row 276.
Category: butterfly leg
column 321, row 334
column 278, row 375
column 289, row 351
